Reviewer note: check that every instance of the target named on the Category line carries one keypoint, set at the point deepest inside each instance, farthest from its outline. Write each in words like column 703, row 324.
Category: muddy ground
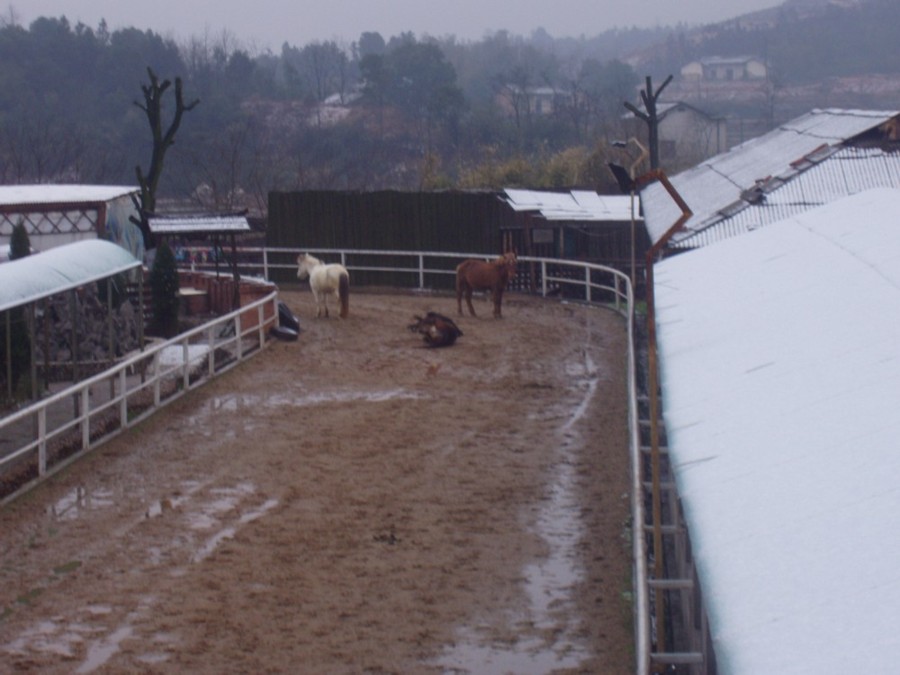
column 351, row 502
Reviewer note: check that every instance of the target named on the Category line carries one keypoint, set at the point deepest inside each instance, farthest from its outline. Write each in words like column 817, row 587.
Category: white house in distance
column 725, row 69
column 55, row 215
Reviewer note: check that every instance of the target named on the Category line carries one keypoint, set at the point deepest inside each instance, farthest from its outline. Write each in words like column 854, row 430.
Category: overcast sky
column 260, row 24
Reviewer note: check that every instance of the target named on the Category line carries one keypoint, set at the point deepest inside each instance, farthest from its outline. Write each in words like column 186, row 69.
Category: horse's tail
column 344, row 294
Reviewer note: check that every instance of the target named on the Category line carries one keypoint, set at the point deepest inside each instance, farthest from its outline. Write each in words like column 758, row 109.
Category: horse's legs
column 497, row 293
column 469, row 299
column 320, row 303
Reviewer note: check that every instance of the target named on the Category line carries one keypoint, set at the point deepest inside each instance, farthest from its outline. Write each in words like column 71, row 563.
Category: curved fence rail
column 431, row 270
column 46, row 436
column 60, row 428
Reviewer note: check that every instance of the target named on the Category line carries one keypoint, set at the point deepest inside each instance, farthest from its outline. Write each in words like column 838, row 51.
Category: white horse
column 325, row 280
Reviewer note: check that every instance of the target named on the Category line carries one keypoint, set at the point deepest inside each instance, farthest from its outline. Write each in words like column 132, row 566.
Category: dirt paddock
column 351, row 502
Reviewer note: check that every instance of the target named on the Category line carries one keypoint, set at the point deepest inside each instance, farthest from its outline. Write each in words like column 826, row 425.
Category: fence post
column 421, row 271
column 238, row 337
column 543, row 278
column 156, row 396
column 42, row 441
column 587, row 283
column 85, row 418
column 123, row 403
column 266, row 264
column 186, row 364
column 259, row 321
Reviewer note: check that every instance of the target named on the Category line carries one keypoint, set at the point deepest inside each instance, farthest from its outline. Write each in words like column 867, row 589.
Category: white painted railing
column 46, row 436
column 161, row 381
column 547, row 276
column 593, row 283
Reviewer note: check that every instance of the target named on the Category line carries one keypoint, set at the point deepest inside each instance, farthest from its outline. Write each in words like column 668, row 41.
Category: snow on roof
column 719, row 181
column 780, row 369
column 193, row 224
column 15, row 195
column 842, row 172
column 577, row 205
column 60, row 269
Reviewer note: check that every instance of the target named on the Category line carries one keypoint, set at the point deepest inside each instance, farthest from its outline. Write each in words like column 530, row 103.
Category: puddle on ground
column 101, row 651
column 549, row 583
column 228, row 532
column 238, row 402
column 80, row 500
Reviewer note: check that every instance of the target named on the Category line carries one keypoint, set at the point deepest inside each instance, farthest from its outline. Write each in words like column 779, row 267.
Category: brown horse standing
column 479, row 275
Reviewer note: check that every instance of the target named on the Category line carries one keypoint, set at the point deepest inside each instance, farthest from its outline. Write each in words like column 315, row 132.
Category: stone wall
column 56, row 338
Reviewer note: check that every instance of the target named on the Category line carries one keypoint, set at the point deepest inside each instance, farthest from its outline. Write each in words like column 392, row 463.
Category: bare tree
column 649, row 98
column 162, row 141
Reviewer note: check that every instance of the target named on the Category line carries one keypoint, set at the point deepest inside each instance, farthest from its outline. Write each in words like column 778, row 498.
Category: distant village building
column 687, row 134
column 725, row 69
column 514, row 100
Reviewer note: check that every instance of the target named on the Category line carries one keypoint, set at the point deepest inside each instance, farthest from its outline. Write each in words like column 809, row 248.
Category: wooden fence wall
column 462, row 221
column 388, row 220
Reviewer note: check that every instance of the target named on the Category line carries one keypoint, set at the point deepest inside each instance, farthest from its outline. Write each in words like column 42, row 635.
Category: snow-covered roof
column 16, row 195
column 61, row 269
column 576, row 205
column 718, row 182
column 198, row 224
column 780, row 371
column 818, row 180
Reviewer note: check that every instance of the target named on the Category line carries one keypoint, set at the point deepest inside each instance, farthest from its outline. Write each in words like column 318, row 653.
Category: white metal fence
column 60, row 428
column 39, row 440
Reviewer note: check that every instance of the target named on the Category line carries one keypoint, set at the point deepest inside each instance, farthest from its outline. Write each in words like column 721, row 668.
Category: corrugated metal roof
column 14, row 195
column 719, row 181
column 844, row 172
column 61, row 269
column 198, row 224
column 577, row 205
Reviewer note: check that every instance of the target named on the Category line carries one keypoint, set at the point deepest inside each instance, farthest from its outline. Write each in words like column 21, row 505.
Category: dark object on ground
column 436, row 329
column 287, row 319
column 284, row 333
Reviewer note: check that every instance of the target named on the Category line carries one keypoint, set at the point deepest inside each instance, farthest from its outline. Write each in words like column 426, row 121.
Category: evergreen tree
column 164, row 291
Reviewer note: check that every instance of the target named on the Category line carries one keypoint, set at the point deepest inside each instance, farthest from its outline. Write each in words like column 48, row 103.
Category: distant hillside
column 803, row 41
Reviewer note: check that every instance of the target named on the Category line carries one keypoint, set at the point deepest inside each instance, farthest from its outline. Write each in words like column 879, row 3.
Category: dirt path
column 348, row 503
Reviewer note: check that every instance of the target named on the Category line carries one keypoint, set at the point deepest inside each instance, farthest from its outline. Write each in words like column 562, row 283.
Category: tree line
column 408, row 112
column 404, row 113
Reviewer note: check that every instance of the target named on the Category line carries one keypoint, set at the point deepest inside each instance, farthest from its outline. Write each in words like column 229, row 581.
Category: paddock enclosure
column 351, row 502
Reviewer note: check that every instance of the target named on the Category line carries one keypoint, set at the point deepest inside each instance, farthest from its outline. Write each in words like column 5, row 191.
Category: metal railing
column 161, row 382
column 424, row 270
column 44, row 437
column 590, row 282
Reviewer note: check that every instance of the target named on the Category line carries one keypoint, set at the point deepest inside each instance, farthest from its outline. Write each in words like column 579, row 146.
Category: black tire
column 286, row 318
column 284, row 333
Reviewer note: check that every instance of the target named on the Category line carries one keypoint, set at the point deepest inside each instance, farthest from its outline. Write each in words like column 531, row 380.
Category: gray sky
column 258, row 24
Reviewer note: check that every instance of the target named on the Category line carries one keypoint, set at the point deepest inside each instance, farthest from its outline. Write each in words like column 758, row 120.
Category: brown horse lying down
column 436, row 329
column 479, row 275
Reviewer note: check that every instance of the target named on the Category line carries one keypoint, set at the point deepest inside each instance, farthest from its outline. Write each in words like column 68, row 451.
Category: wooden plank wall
column 388, row 220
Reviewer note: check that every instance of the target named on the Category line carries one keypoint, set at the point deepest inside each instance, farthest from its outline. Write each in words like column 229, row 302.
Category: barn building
column 55, row 215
